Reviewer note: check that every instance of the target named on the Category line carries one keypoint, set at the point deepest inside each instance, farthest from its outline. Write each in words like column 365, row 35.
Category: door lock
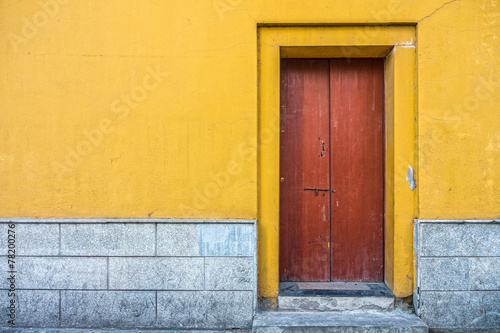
column 316, row 190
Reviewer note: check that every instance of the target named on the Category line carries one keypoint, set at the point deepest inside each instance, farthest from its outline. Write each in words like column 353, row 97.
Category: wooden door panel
column 357, row 154
column 304, row 163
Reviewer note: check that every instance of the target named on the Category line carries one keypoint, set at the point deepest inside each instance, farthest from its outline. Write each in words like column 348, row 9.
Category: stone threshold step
column 334, row 296
column 323, row 322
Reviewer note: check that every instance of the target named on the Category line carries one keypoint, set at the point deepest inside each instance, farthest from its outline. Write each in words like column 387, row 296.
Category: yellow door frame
column 397, row 45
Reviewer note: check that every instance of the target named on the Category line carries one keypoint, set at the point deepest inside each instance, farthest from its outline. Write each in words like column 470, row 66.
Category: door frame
column 397, row 45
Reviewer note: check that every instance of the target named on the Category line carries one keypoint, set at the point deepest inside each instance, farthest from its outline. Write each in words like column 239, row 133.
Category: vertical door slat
column 304, row 162
column 357, row 145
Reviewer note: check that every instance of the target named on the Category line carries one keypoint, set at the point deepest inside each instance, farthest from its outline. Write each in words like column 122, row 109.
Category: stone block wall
column 458, row 273
column 121, row 273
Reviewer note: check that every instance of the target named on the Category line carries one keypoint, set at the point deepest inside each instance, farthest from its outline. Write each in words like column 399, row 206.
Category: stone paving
column 54, row 330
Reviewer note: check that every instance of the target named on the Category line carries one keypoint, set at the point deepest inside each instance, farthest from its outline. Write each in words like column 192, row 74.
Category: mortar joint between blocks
column 156, row 240
column 60, row 240
column 60, row 308
column 107, row 273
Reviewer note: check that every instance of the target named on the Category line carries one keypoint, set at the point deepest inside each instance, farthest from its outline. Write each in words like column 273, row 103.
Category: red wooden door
column 331, row 167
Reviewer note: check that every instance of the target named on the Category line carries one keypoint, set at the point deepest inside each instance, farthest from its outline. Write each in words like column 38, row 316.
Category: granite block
column 459, row 309
column 182, row 309
column 229, row 273
column 226, row 240
column 444, row 273
column 59, row 273
column 125, row 239
column 460, row 240
column 108, row 309
column 484, row 273
column 205, row 309
column 177, row 240
column 230, row 309
column 31, row 239
column 38, row 308
column 159, row 273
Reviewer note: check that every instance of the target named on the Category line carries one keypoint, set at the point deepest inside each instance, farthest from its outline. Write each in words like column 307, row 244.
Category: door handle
column 316, row 190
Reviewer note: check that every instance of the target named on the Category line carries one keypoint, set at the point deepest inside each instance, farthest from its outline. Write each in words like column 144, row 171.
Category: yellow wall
column 185, row 146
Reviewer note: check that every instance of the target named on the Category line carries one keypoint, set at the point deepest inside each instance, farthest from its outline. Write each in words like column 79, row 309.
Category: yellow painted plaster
column 73, row 71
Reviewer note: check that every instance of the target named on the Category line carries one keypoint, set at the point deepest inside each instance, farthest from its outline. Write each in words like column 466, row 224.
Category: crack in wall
column 445, row 4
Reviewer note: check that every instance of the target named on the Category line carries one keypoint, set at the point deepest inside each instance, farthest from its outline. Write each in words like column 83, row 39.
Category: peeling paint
column 410, row 178
column 409, row 43
column 405, row 45
column 322, row 150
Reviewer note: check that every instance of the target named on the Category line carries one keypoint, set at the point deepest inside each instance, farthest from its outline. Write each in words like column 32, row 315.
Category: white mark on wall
column 406, row 44
column 410, row 178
